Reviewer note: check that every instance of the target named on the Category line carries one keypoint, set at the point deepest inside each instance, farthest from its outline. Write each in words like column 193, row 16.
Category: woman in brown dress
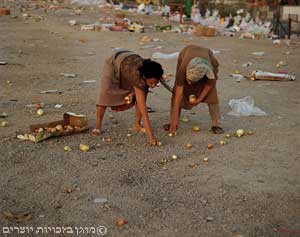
column 197, row 73
column 125, row 82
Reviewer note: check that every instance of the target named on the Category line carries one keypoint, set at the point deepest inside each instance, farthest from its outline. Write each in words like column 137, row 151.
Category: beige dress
column 185, row 56
column 119, row 77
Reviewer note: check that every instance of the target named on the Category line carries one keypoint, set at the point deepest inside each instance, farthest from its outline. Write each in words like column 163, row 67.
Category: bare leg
column 100, row 111
column 215, row 115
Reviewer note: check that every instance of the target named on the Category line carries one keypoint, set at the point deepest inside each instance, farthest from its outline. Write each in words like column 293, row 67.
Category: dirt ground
column 249, row 187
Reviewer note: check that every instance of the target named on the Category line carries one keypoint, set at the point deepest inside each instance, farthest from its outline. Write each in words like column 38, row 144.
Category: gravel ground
column 249, row 187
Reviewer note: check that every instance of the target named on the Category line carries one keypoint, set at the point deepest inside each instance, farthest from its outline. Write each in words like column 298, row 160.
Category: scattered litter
column 88, row 2
column 209, row 219
column 36, row 106
column 261, row 75
column 3, row 63
column 88, row 27
column 247, row 35
column 89, row 81
column 136, row 27
column 158, row 55
column 238, row 77
column 58, row 106
column 3, row 115
column 51, row 92
column 72, row 22
column 244, row 107
column 216, row 51
column 20, row 217
column 281, row 64
column 100, row 200
column 248, row 64
column 69, row 75
column 277, row 41
column 261, row 53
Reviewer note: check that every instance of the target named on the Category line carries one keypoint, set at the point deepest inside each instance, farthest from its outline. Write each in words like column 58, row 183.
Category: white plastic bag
column 244, row 107
column 88, row 2
column 158, row 55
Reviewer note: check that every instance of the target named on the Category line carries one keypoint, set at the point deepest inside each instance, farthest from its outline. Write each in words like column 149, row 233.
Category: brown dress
column 185, row 56
column 119, row 77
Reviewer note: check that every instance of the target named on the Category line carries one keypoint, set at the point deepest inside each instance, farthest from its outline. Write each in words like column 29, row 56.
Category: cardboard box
column 78, row 122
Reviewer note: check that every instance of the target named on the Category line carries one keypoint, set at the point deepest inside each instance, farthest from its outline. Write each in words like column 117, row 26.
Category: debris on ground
column 159, row 55
column 269, row 76
column 244, row 107
column 71, row 124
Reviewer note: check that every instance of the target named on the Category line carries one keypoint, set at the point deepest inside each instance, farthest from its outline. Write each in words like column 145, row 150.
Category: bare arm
column 207, row 88
column 141, row 104
column 176, row 108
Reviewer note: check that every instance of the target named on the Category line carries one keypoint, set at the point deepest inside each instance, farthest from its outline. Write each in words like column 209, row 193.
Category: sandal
column 217, row 130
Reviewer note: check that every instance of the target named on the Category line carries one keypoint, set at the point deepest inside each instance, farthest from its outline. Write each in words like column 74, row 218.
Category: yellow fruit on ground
column 83, row 147
column 40, row 112
column 196, row 128
column 4, row 124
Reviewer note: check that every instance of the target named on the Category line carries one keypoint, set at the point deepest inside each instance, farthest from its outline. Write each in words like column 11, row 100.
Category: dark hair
column 151, row 69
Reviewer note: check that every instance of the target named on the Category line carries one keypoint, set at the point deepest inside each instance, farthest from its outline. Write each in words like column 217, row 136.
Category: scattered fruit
column 40, row 112
column 192, row 98
column 59, row 128
column 107, row 139
column 239, row 132
column 121, row 222
column 127, row 100
column 83, row 147
column 189, row 145
column 228, row 135
column 250, row 132
column 222, row 143
column 210, row 146
column 67, row 149
column 23, row 137
column 171, row 134
column 111, row 116
column 129, row 135
column 196, row 128
column 39, row 106
column 4, row 123
column 205, row 159
column 163, row 161
column 174, row 157
column 185, row 119
column 159, row 144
